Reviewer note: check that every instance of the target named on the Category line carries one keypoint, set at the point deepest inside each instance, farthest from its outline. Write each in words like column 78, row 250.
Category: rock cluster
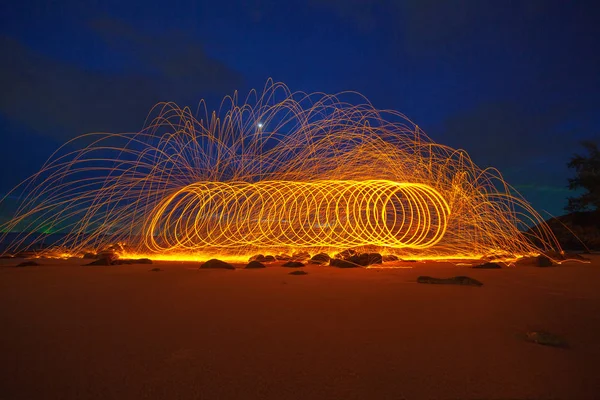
column 216, row 264
column 352, row 259
column 254, row 265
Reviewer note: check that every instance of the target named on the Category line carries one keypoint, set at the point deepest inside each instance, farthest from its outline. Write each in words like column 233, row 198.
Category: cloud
column 505, row 134
column 63, row 99
column 531, row 147
column 177, row 59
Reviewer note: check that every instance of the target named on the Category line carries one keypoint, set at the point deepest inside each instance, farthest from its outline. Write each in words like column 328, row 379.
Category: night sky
column 515, row 83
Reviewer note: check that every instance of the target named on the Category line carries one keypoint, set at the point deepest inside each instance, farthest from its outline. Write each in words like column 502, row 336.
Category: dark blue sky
column 515, row 83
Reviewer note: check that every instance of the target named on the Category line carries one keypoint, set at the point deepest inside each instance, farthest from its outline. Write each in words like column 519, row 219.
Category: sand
column 73, row 332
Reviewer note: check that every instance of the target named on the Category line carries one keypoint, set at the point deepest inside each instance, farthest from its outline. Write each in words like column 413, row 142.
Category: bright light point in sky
column 260, row 124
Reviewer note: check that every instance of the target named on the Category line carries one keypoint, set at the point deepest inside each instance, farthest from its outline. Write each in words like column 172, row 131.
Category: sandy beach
column 73, row 332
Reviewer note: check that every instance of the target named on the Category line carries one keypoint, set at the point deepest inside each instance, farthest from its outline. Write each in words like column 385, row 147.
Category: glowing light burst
column 280, row 171
column 300, row 214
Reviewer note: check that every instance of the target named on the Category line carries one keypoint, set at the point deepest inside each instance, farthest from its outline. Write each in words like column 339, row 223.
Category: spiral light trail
column 277, row 172
column 301, row 214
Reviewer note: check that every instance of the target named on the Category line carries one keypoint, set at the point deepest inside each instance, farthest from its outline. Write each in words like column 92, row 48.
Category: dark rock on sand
column 488, row 265
column 346, row 254
column 89, row 256
column 339, row 263
column 293, row 264
column 270, row 258
column 321, row 259
column 27, row 264
column 366, row 259
column 155, row 270
column 498, row 257
column 109, row 255
column 25, row 254
column 283, row 257
column 300, row 256
column 529, row 261
column 543, row 261
column 539, row 261
column 254, row 265
column 374, row 258
column 298, row 273
column 356, row 259
column 99, row 261
column 456, row 280
column 257, row 257
column 389, row 258
column 546, row 339
column 119, row 261
column 216, row 264
column 131, row 261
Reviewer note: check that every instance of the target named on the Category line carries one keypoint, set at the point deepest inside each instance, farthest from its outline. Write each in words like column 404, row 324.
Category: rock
column 293, row 264
column 321, row 259
column 300, row 256
column 346, row 254
column 546, row 339
column 283, row 257
column 339, row 263
column 543, row 261
column 257, row 257
column 526, row 261
column 25, row 254
column 254, row 265
column 269, row 258
column 356, row 259
column 109, row 255
column 155, row 270
column 298, row 273
column 89, row 256
column 366, row 259
column 216, row 264
column 100, row 261
column 456, row 280
column 539, row 261
column 27, row 264
column 374, row 258
column 123, row 261
column 488, row 265
column 130, row 261
column 389, row 258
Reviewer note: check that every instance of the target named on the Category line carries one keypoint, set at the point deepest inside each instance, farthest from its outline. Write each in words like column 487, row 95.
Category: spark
column 327, row 176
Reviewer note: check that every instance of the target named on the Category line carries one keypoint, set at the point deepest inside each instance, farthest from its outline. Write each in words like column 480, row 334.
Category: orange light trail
column 276, row 214
column 279, row 171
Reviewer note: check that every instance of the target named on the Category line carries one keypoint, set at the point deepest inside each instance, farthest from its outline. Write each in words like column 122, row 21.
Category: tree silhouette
column 587, row 177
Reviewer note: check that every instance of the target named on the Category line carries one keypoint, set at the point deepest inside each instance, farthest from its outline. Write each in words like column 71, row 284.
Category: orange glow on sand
column 277, row 173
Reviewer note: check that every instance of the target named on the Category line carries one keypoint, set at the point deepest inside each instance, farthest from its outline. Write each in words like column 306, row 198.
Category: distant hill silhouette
column 577, row 231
